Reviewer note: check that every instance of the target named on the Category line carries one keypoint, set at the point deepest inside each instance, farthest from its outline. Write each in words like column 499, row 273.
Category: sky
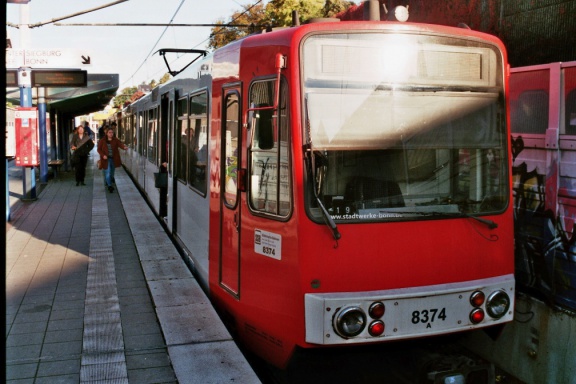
column 128, row 51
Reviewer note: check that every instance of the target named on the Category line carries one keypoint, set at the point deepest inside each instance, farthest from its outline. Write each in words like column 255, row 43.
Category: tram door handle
column 236, row 221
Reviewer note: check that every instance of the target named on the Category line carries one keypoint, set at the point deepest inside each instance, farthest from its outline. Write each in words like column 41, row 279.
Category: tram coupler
column 459, row 369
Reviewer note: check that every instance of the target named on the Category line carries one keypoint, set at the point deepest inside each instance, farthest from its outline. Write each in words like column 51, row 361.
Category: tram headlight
column 350, row 322
column 497, row 304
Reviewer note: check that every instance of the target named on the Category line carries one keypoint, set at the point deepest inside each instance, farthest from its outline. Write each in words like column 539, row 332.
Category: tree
column 277, row 13
column 254, row 15
column 334, row 7
column 125, row 95
column 280, row 11
column 164, row 78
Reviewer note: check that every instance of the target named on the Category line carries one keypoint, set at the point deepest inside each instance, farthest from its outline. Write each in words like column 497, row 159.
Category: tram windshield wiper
column 310, row 155
column 327, row 218
column 489, row 223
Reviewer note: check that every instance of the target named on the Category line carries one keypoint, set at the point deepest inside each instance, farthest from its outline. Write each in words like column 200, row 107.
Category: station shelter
column 64, row 104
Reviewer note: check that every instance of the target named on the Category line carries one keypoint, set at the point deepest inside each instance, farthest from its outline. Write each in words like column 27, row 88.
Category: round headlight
column 350, row 322
column 497, row 304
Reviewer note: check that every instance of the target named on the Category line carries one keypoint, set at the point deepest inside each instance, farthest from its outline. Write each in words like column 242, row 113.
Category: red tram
column 339, row 182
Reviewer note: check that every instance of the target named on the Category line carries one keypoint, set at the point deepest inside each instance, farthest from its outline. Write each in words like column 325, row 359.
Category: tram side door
column 165, row 155
column 230, row 145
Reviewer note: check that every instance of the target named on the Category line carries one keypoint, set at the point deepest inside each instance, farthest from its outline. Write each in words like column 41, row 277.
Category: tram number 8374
column 428, row 315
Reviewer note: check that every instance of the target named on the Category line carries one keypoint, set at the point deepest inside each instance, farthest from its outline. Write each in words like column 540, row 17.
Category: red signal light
column 376, row 328
column 477, row 299
column 376, row 310
column 477, row 315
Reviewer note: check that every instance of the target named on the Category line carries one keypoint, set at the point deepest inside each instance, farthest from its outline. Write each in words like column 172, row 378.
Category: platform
column 97, row 293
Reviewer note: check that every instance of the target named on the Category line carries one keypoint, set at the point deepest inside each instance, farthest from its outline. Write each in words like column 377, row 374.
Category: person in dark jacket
column 88, row 130
column 81, row 144
column 110, row 156
column 102, row 131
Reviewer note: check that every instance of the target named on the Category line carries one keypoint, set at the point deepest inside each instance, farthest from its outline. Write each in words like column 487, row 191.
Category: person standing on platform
column 102, row 131
column 70, row 137
column 81, row 145
column 110, row 156
column 88, row 130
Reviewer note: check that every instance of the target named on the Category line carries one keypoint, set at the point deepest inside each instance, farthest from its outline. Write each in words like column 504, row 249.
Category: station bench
column 55, row 165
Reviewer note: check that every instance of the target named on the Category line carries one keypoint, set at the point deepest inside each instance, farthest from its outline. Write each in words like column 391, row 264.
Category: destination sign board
column 46, row 58
column 59, row 78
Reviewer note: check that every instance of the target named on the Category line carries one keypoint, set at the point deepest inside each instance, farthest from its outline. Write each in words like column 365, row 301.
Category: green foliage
column 333, row 7
column 277, row 13
column 164, row 78
column 252, row 17
column 280, row 11
column 124, row 96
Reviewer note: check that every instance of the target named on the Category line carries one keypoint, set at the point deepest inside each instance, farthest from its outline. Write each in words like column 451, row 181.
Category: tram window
column 230, row 147
column 122, row 130
column 263, row 129
column 570, row 99
column 530, row 113
column 129, row 129
column 132, row 131
column 152, row 136
column 198, row 148
column 181, row 139
column 140, row 138
column 529, row 106
column 270, row 190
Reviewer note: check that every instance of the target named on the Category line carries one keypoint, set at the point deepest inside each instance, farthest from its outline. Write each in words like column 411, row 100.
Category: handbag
column 99, row 164
column 85, row 148
column 160, row 180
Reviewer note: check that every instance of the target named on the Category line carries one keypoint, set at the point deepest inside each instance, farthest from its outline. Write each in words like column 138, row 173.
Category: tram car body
column 338, row 183
column 543, row 124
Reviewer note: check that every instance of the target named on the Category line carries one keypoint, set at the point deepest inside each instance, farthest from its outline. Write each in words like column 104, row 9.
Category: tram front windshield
column 403, row 127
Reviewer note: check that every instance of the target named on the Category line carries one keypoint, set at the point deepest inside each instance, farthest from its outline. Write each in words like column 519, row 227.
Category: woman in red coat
column 110, row 156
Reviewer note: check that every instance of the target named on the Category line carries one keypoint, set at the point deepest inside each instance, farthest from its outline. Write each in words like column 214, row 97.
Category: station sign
column 59, row 78
column 46, row 58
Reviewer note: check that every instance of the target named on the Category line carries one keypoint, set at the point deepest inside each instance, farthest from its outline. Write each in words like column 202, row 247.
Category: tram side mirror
column 264, row 129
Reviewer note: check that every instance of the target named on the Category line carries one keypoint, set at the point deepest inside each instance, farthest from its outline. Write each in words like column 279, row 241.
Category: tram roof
column 94, row 97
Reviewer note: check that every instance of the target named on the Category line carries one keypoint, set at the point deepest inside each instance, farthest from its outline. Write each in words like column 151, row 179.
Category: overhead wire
column 229, row 24
column 156, row 43
column 221, row 30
